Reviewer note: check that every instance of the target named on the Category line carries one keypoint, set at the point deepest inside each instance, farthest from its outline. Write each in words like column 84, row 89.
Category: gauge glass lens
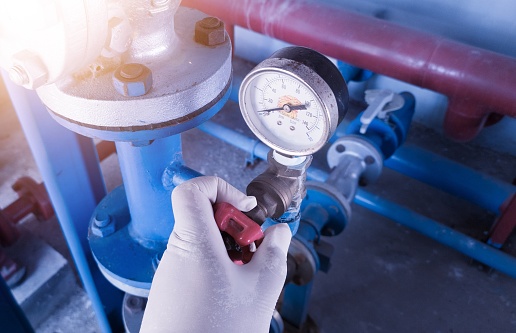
column 285, row 112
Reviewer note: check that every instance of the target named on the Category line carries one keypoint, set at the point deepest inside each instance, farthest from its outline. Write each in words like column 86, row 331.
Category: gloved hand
column 197, row 288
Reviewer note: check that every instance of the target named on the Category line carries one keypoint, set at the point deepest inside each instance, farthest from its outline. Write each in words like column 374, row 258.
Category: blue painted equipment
column 389, row 134
column 353, row 73
column 325, row 212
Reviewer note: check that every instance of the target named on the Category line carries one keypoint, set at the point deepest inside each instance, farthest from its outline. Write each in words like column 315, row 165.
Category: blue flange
column 332, row 202
column 124, row 262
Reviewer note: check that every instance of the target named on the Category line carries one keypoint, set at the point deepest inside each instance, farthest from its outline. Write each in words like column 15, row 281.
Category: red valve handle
column 240, row 227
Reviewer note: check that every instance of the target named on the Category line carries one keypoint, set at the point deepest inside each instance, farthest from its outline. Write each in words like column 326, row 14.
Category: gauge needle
column 286, row 108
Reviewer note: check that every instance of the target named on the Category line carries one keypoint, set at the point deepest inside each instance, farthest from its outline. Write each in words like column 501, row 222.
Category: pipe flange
column 115, row 248
column 336, row 205
column 357, row 147
column 190, row 83
column 306, row 261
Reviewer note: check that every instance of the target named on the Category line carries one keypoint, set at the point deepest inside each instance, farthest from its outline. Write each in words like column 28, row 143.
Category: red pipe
column 477, row 82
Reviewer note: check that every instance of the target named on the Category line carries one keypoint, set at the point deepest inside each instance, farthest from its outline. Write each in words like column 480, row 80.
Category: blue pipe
column 313, row 219
column 353, row 73
column 255, row 147
column 469, row 246
column 143, row 166
column 481, row 189
column 428, row 227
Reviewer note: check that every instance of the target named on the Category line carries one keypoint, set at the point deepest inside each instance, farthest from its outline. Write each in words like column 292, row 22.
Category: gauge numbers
column 285, row 111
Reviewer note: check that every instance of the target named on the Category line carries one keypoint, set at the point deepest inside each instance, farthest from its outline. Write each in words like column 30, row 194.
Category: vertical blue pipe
column 294, row 308
column 69, row 167
column 143, row 166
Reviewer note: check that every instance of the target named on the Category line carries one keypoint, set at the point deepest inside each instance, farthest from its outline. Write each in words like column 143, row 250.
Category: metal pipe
column 469, row 246
column 253, row 146
column 477, row 82
column 454, row 178
column 426, row 226
column 143, row 166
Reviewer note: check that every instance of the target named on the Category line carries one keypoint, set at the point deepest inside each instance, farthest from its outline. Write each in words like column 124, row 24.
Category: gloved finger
column 271, row 256
column 218, row 190
column 193, row 212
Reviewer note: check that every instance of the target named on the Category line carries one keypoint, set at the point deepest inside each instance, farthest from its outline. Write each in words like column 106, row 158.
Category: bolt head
column 132, row 80
column 134, row 304
column 102, row 219
column 210, row 31
column 102, row 225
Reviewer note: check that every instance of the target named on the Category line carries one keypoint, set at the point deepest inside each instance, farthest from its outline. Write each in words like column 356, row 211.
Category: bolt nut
column 210, row 31
column 132, row 80
column 134, row 304
column 28, row 70
column 102, row 225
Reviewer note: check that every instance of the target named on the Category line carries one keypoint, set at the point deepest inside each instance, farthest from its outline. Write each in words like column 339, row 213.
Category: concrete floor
column 384, row 278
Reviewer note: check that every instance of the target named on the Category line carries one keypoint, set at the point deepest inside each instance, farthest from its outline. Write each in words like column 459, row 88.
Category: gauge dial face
column 284, row 112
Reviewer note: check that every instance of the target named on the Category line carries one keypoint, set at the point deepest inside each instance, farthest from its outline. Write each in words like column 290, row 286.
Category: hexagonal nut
column 120, row 35
column 105, row 231
column 134, row 304
column 132, row 80
column 210, row 31
column 28, row 70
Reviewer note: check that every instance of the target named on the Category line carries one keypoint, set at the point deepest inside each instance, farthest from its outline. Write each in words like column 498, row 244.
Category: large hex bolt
column 132, row 80
column 210, row 31
column 103, row 225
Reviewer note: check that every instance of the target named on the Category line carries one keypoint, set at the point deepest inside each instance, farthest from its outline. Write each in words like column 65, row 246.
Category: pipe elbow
column 464, row 120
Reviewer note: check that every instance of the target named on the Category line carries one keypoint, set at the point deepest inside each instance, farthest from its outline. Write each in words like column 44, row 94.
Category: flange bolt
column 132, row 80
column 210, row 31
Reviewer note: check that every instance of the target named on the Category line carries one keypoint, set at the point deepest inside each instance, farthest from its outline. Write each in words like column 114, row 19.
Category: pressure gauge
column 294, row 100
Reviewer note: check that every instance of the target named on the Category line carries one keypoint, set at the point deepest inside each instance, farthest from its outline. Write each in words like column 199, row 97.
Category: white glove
column 197, row 288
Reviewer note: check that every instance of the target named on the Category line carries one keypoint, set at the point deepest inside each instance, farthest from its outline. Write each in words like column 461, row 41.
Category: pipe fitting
column 276, row 188
column 210, row 31
column 132, row 80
